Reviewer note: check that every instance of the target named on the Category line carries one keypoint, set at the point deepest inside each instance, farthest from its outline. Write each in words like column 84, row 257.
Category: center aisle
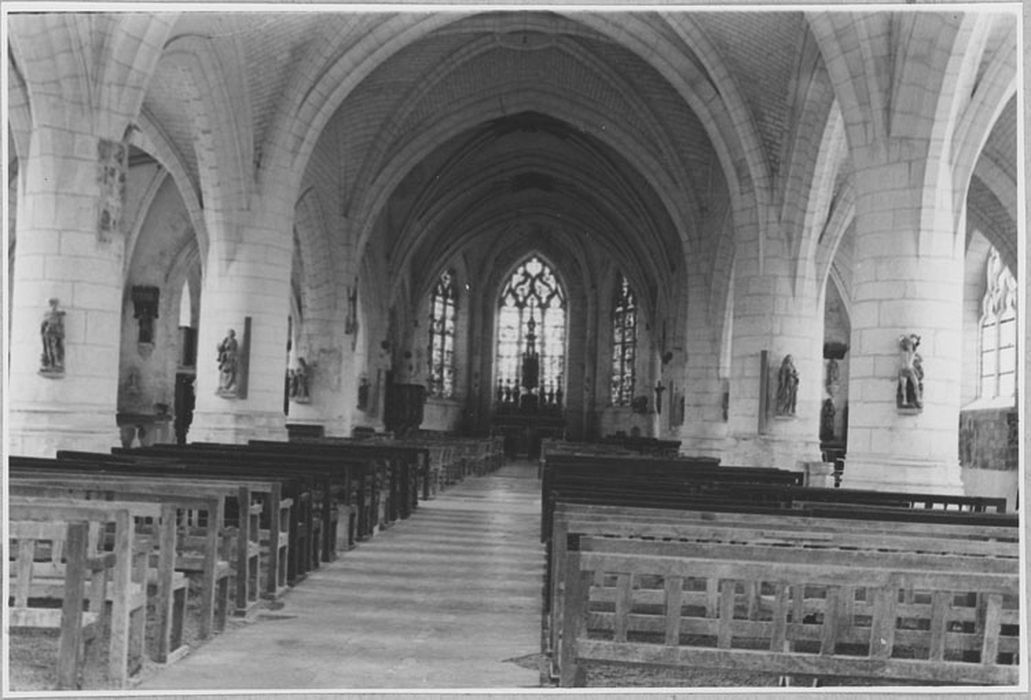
column 449, row 598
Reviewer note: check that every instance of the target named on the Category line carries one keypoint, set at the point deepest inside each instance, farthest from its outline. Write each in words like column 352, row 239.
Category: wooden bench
column 242, row 512
column 683, row 483
column 126, row 590
column 347, row 489
column 828, row 613
column 268, row 514
column 310, row 484
column 644, row 445
column 405, row 465
column 155, row 529
column 737, row 500
column 203, row 544
column 774, row 528
column 78, row 624
column 792, row 539
column 630, row 482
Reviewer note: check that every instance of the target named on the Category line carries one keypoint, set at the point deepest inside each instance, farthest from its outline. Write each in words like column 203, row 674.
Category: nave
column 782, row 243
column 449, row 598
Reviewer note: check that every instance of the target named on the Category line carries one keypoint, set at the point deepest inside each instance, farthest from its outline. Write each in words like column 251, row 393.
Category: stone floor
column 449, row 598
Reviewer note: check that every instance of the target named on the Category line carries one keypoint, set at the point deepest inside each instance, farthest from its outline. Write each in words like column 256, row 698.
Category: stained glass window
column 532, row 293
column 624, row 343
column 998, row 331
column 442, row 336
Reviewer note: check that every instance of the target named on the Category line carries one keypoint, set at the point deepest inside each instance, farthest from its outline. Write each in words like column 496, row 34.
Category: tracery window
column 532, row 294
column 998, row 331
column 442, row 336
column 624, row 343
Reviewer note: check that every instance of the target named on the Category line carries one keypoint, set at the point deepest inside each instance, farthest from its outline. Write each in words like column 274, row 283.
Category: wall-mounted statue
column 145, row 310
column 787, row 387
column 910, row 390
column 363, row 394
column 299, row 381
column 827, row 413
column 228, row 364
column 51, row 332
column 351, row 321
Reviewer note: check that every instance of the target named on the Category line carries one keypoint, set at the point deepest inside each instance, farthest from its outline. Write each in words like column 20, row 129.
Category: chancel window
column 624, row 343
column 531, row 326
column 998, row 331
column 442, row 336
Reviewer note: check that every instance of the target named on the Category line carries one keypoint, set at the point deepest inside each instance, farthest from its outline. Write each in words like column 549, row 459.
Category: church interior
column 339, row 269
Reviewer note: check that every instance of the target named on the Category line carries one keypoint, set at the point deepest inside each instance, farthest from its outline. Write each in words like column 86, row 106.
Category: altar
column 523, row 432
column 527, row 411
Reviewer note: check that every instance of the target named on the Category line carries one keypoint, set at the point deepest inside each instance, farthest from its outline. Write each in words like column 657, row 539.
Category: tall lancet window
column 998, row 331
column 624, row 343
column 532, row 312
column 442, row 336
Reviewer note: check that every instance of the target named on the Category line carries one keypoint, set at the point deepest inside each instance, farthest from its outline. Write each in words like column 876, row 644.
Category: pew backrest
column 825, row 613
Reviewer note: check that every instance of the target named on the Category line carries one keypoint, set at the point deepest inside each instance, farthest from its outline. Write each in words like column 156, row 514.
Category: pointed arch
column 531, row 323
column 997, row 331
column 443, row 320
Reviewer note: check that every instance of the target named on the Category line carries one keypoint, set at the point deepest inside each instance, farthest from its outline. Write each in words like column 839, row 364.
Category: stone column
column 68, row 248
column 776, row 313
column 907, row 279
column 916, row 107
column 703, row 430
column 248, row 279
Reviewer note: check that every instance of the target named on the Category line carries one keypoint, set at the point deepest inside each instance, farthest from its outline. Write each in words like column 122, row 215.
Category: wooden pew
column 644, row 445
column 313, row 529
column 202, row 550
column 680, row 483
column 405, row 465
column 171, row 586
column 126, row 591
column 996, row 536
column 814, row 623
column 274, row 509
column 238, row 492
column 78, row 624
column 667, row 481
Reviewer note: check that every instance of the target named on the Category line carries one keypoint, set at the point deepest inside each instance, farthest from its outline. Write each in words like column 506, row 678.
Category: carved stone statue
column 910, row 391
column 827, row 420
column 228, row 364
column 299, row 379
column 787, row 387
column 363, row 394
column 51, row 332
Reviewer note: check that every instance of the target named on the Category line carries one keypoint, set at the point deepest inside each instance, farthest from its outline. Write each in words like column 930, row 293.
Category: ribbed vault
column 497, row 118
column 530, row 165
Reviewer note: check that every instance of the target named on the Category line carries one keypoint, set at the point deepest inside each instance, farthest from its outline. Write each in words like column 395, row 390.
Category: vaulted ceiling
column 570, row 115
column 634, row 129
